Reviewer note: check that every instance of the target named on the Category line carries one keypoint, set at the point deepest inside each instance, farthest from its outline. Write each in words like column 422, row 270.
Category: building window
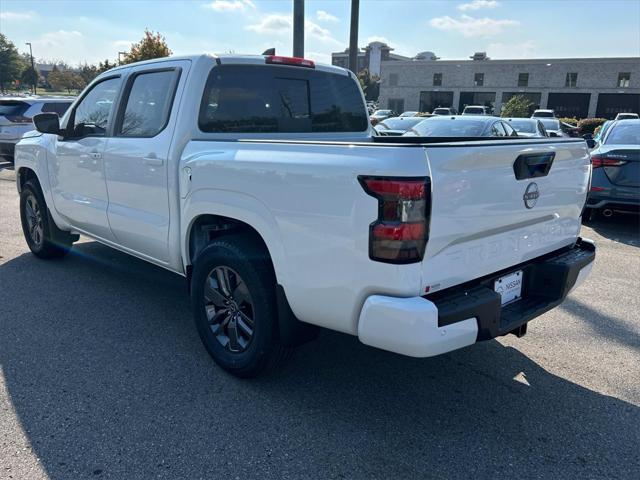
column 393, row 79
column 437, row 79
column 478, row 79
column 571, row 80
column 523, row 79
column 624, row 79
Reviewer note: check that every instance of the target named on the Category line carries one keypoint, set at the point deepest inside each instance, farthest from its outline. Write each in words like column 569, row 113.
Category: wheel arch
column 25, row 174
column 209, row 213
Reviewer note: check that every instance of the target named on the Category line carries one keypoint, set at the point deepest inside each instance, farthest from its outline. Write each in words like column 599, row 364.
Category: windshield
column 441, row 111
column 624, row 134
column 524, row 126
column 13, row 107
column 550, row 124
column 474, row 110
column 544, row 114
column 434, row 127
column 401, row 123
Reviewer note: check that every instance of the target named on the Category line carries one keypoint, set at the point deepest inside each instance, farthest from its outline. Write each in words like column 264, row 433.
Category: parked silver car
column 528, row 127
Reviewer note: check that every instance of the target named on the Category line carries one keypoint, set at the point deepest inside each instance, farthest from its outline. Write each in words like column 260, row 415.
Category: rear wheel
column 43, row 237
column 234, row 306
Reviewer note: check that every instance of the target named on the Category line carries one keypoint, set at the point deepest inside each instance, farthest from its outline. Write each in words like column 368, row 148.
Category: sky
column 93, row 30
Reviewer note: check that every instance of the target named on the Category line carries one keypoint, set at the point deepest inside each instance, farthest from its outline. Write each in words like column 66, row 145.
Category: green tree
column 370, row 85
column 152, row 45
column 11, row 64
column 106, row 65
column 517, row 106
column 87, row 73
column 64, row 80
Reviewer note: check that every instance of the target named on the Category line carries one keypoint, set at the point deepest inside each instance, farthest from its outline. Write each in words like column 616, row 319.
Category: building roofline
column 516, row 60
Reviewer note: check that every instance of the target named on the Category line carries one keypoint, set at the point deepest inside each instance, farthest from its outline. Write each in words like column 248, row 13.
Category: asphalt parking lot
column 102, row 375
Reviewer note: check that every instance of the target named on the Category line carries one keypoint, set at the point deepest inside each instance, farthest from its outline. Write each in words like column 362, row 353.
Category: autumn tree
column 11, row 64
column 152, row 45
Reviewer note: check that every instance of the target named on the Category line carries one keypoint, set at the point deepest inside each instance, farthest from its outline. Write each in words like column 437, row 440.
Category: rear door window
column 279, row 99
column 148, row 104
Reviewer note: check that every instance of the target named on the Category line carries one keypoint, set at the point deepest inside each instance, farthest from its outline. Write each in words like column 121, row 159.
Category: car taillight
column 295, row 61
column 18, row 119
column 603, row 161
column 401, row 231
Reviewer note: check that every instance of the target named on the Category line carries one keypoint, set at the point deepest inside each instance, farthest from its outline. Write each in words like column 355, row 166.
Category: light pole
column 298, row 28
column 33, row 69
column 353, row 37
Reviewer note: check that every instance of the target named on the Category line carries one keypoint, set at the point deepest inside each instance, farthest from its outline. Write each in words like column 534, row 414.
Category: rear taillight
column 401, row 231
column 294, row 61
column 602, row 161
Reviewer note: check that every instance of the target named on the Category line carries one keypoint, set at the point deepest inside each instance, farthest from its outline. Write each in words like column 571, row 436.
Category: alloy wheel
column 34, row 219
column 229, row 309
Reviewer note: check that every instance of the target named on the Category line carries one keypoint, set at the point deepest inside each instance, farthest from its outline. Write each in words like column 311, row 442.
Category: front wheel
column 234, row 306
column 42, row 235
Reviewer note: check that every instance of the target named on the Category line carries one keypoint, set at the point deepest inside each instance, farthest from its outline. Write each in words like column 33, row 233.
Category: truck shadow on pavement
column 108, row 379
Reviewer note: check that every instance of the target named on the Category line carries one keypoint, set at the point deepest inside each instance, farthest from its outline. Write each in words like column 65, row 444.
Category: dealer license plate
column 509, row 287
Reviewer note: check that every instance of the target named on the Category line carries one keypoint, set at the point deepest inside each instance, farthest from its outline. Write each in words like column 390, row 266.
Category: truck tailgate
column 498, row 204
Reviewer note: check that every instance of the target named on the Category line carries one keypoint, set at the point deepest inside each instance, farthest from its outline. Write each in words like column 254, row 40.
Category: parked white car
column 543, row 113
column 476, row 110
column 16, row 116
column 627, row 116
column 259, row 180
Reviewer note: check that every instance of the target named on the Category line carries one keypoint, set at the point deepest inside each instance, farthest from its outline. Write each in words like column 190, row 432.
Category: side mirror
column 48, row 122
column 553, row 134
column 591, row 143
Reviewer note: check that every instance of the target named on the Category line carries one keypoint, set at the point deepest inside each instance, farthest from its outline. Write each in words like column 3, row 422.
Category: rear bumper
column 463, row 315
column 619, row 204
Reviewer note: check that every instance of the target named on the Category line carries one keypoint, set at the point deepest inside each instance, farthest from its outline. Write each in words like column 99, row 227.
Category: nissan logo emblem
column 531, row 195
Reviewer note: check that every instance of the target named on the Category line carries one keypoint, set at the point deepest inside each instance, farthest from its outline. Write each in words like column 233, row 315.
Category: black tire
column 45, row 240
column 248, row 270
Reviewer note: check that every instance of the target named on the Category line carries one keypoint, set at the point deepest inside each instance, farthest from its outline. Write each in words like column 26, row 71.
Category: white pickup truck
column 260, row 180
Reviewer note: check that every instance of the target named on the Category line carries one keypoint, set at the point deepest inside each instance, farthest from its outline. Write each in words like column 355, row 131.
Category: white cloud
column 323, row 16
column 10, row 16
column 528, row 49
column 282, row 24
column 472, row 27
column 319, row 57
column 273, row 24
column 477, row 5
column 122, row 43
column 230, row 5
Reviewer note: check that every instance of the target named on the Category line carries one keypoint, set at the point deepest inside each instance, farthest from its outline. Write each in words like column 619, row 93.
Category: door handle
column 153, row 160
column 533, row 165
